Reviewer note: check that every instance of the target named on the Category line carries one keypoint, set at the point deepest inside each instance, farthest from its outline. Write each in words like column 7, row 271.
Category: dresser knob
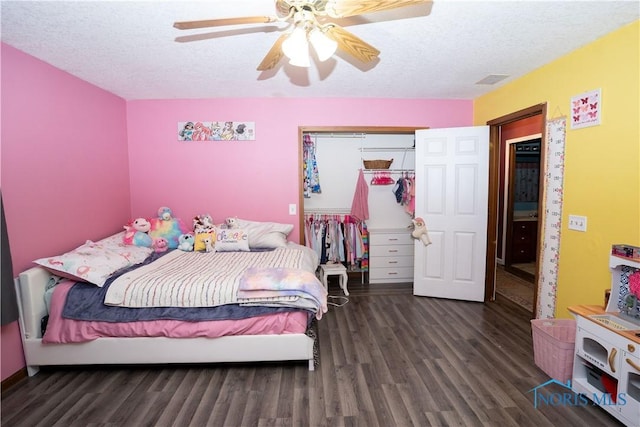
column 631, row 348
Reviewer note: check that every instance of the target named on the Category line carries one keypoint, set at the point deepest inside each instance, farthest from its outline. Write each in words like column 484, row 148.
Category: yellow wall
column 602, row 163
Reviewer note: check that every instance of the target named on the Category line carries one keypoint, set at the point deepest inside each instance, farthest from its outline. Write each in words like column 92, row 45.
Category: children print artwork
column 586, row 109
column 216, row 131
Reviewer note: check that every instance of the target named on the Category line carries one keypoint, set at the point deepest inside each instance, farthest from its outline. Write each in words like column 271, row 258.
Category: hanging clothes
column 360, row 205
column 410, row 205
column 404, row 191
column 311, row 175
column 337, row 239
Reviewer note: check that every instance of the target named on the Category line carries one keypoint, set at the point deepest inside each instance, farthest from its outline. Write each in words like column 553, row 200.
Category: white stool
column 327, row 270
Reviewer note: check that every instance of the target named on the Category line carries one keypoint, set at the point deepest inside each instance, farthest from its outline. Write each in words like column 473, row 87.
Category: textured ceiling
column 431, row 51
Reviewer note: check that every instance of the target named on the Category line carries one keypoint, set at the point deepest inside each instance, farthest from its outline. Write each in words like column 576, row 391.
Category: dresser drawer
column 390, row 275
column 391, row 261
column 376, row 239
column 392, row 251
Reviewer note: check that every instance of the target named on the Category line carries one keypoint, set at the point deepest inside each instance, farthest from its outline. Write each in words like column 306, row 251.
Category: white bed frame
column 30, row 289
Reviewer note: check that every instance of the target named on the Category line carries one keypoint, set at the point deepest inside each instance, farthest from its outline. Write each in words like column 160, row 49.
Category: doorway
column 528, row 121
column 519, row 218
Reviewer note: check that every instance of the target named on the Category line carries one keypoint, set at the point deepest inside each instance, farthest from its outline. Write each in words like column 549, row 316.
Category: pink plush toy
column 160, row 244
column 137, row 233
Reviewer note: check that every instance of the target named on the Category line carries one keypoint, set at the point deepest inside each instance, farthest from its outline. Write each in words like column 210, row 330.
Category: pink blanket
column 60, row 330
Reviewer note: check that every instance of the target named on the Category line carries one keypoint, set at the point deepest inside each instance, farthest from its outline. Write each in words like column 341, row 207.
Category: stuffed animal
column 231, row 222
column 136, row 233
column 199, row 240
column 203, row 223
column 420, row 231
column 165, row 214
column 186, row 242
column 167, row 227
column 160, row 244
column 208, row 244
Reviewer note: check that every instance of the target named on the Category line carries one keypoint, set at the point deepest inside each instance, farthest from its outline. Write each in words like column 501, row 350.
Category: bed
column 291, row 339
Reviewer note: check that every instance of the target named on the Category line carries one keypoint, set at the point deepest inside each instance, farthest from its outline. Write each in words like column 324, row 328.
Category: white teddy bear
column 231, row 222
column 420, row 231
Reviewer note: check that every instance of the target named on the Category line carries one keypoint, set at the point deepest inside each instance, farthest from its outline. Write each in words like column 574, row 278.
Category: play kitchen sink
column 616, row 322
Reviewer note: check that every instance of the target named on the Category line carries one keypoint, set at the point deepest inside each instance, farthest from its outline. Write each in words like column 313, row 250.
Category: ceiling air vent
column 492, row 79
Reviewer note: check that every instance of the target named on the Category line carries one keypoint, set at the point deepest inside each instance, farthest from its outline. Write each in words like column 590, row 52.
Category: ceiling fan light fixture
column 296, row 43
column 323, row 45
column 301, row 59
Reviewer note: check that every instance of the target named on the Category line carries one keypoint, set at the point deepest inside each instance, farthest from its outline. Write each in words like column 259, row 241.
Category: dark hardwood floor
column 387, row 358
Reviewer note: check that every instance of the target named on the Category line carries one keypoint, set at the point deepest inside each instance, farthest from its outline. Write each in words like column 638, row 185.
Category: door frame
column 495, row 127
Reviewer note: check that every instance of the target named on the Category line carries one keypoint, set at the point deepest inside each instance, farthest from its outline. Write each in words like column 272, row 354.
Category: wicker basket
column 553, row 346
column 377, row 164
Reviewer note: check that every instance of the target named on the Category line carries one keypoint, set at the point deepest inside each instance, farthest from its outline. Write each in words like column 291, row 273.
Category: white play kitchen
column 606, row 367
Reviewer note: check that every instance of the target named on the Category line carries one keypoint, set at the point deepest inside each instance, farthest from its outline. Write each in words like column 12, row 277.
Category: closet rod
column 337, row 135
column 337, row 211
column 387, row 170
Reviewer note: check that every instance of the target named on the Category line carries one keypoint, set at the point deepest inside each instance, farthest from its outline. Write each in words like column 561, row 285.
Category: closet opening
column 338, row 154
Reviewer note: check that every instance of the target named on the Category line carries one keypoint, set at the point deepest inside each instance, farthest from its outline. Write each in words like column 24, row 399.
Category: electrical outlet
column 577, row 222
column 292, row 209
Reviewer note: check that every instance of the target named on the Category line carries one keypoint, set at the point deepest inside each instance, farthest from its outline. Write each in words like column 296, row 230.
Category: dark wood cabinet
column 523, row 241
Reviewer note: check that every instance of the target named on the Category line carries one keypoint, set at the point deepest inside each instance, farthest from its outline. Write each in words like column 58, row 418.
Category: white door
column 452, row 187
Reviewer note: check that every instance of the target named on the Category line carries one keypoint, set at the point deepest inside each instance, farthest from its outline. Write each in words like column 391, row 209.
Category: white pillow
column 87, row 263
column 115, row 243
column 94, row 262
column 266, row 235
column 232, row 240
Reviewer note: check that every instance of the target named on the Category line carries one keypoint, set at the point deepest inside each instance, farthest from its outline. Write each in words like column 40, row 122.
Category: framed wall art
column 586, row 109
column 216, row 131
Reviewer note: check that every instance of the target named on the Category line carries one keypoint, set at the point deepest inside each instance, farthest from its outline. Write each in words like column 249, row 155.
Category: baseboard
column 14, row 379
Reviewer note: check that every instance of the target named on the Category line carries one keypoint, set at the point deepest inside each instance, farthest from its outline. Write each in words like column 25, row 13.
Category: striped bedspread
column 196, row 279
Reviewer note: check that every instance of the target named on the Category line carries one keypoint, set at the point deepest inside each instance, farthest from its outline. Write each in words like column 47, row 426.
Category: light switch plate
column 292, row 209
column 577, row 222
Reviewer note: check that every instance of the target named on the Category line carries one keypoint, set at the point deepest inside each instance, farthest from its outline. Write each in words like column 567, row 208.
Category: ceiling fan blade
column 274, row 55
column 190, row 25
column 351, row 44
column 345, row 8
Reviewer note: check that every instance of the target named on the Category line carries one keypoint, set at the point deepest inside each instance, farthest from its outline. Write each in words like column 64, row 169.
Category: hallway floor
column 514, row 288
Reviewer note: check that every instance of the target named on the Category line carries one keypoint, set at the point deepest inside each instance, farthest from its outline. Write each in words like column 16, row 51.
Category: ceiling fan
column 311, row 22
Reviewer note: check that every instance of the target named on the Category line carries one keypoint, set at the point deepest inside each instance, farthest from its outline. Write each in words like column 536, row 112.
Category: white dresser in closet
column 390, row 255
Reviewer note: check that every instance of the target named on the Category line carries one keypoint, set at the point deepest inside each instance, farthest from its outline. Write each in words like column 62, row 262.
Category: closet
column 339, row 155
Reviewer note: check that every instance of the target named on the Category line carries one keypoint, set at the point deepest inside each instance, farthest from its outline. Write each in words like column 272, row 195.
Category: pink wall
column 65, row 172
column 250, row 179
